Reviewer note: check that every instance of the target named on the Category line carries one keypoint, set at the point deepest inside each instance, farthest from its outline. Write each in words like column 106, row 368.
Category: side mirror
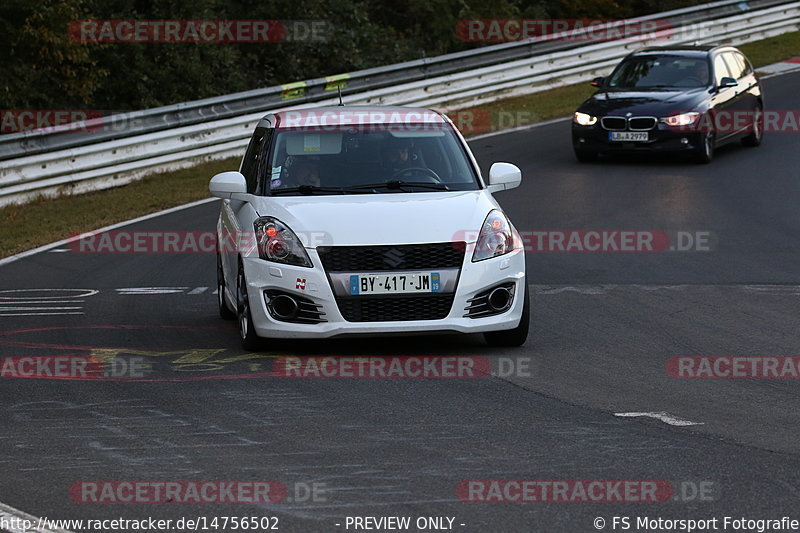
column 597, row 82
column 225, row 184
column 504, row 176
column 726, row 82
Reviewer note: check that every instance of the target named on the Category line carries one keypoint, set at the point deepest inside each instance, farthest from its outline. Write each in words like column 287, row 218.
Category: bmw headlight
column 583, row 119
column 277, row 243
column 497, row 237
column 682, row 119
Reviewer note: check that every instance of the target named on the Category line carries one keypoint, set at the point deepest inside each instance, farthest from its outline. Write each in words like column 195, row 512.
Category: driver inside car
column 401, row 156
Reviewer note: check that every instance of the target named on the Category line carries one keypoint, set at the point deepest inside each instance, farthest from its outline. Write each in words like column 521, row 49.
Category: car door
column 231, row 221
column 744, row 100
column 749, row 86
column 724, row 102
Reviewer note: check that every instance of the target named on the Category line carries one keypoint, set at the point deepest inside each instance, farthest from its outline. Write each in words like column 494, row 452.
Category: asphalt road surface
column 606, row 328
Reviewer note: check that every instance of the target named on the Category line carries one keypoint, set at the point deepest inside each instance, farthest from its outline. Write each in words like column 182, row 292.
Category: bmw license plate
column 395, row 283
column 636, row 136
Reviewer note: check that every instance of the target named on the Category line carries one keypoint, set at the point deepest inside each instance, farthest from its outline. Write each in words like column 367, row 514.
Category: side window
column 249, row 166
column 720, row 69
column 263, row 166
column 735, row 66
column 747, row 68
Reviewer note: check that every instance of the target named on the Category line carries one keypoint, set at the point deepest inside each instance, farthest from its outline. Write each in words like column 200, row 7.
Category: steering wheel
column 428, row 173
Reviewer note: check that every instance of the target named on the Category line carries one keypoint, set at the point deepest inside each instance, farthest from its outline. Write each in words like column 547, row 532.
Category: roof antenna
column 339, row 90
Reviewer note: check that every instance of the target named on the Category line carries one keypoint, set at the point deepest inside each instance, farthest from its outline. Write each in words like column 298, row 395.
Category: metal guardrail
column 186, row 134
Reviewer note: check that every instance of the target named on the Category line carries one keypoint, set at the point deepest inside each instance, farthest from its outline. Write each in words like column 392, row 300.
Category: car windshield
column 368, row 159
column 660, row 72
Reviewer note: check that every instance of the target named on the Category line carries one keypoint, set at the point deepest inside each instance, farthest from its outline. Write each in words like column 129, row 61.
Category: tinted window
column 720, row 69
column 365, row 155
column 664, row 71
column 251, row 158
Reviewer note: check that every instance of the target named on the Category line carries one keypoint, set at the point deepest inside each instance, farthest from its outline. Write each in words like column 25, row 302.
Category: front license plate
column 628, row 136
column 395, row 283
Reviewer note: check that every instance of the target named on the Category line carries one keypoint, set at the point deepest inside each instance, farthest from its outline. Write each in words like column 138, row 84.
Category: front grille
column 614, row 123
column 394, row 308
column 392, row 257
column 641, row 123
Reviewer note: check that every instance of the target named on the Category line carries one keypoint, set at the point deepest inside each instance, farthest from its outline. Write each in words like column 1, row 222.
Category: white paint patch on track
column 43, row 302
column 14, row 521
column 663, row 417
column 137, row 291
column 766, row 290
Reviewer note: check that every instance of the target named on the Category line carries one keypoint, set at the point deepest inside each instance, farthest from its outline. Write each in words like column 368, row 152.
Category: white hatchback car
column 365, row 221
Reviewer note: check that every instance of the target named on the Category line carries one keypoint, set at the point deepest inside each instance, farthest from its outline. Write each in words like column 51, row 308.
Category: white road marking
column 13, row 517
column 83, row 293
column 546, row 289
column 664, row 417
column 42, row 314
column 46, row 247
column 198, row 290
column 772, row 289
column 135, row 291
column 531, row 126
column 28, row 302
column 777, row 69
column 14, row 308
column 59, row 250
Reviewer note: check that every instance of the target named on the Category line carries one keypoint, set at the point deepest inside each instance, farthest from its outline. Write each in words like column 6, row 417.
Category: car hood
column 393, row 218
column 642, row 103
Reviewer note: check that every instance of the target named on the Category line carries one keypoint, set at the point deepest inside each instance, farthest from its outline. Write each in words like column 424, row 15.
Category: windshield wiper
column 399, row 184
column 308, row 190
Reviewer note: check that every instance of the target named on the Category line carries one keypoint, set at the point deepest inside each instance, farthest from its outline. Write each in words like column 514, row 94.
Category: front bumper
column 313, row 284
column 662, row 138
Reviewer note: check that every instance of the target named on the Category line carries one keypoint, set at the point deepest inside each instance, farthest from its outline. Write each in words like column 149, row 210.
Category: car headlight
column 682, row 119
column 583, row 119
column 497, row 237
column 277, row 243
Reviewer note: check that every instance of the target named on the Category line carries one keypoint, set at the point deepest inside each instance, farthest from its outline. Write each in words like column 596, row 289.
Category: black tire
column 585, row 156
column 247, row 333
column 705, row 152
column 516, row 336
column 224, row 310
column 755, row 138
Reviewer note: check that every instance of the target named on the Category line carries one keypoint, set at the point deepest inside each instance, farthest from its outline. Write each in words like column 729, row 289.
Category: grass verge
column 47, row 220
